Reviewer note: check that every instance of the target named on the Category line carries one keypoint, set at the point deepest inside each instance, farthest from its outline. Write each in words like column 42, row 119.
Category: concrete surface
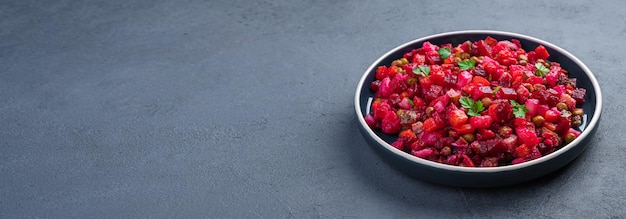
column 244, row 109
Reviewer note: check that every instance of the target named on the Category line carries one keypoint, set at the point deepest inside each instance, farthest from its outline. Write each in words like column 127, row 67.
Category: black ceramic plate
column 481, row 176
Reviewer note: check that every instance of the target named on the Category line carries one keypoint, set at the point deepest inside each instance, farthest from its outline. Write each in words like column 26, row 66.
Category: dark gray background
column 245, row 109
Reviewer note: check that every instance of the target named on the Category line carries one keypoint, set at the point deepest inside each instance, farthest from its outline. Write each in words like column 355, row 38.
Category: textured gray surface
column 245, row 109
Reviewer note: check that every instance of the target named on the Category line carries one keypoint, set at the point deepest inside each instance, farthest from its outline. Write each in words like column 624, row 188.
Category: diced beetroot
column 430, row 125
column 531, row 105
column 405, row 103
column 532, row 56
column 545, row 149
column 497, row 75
column 374, row 85
column 489, row 162
column 440, row 103
column 381, row 110
column 391, row 71
column 563, row 125
column 501, row 111
column 454, row 95
column 399, row 144
column 491, row 41
column 542, row 53
column 552, row 115
column 509, row 44
column 482, row 91
column 479, row 147
column 518, row 160
column 464, row 129
column 449, row 80
column 434, row 92
column 522, row 94
column 440, row 119
column 433, row 57
column 457, row 117
column 491, row 66
column 505, row 80
column 506, row 93
column 417, row 145
column 534, row 80
column 529, row 137
column 453, row 160
column 553, row 75
column 481, row 121
column 542, row 109
column 408, row 135
column 384, row 88
column 579, row 95
column 560, row 89
column 460, row 143
column 469, row 88
column 437, row 75
column 510, row 143
column 425, row 82
column 369, row 119
column 430, row 138
column 523, row 151
column 486, row 134
column 463, row 79
column 518, row 44
column 408, row 68
column 426, row 153
column 419, row 59
column 381, row 72
column 483, row 48
column 495, row 147
column 391, row 123
column 553, row 97
column 429, row 47
column 478, row 80
column 535, row 153
column 466, row 161
column 516, row 69
column 418, row 102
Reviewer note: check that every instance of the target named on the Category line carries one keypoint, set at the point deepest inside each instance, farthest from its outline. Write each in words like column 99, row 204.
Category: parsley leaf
column 422, row 69
column 467, row 64
column 541, row 70
column 474, row 107
column 444, row 52
column 519, row 110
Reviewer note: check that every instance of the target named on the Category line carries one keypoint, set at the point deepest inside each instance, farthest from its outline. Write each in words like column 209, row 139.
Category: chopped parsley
column 444, row 52
column 474, row 107
column 422, row 69
column 467, row 64
column 519, row 110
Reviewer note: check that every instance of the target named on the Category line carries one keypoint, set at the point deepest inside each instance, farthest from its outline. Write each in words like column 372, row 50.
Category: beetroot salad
column 486, row 103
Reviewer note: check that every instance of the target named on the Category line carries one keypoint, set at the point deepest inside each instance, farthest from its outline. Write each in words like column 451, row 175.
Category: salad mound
column 486, row 103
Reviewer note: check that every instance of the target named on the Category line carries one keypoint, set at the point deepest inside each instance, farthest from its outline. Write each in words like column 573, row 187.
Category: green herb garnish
column 467, row 64
column 444, row 52
column 541, row 70
column 474, row 107
column 422, row 69
column 519, row 110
